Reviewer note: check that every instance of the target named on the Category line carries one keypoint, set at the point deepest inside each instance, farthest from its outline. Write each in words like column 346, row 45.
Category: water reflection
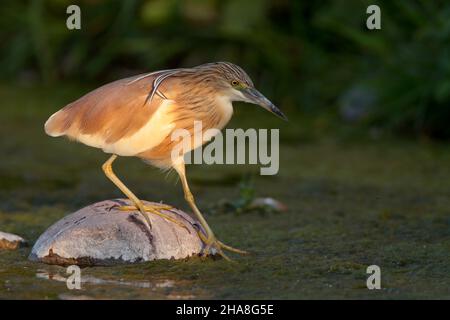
column 144, row 289
column 88, row 279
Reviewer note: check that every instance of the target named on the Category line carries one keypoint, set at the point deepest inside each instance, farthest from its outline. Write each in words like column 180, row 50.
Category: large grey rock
column 11, row 241
column 100, row 234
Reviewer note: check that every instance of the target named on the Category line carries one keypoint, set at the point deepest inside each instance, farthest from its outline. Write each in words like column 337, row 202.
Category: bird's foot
column 155, row 206
column 155, row 209
column 212, row 244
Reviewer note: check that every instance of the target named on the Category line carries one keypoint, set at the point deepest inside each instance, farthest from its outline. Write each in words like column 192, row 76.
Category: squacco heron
column 136, row 116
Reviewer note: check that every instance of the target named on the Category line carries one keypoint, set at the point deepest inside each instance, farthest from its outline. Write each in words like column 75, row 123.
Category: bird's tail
column 57, row 125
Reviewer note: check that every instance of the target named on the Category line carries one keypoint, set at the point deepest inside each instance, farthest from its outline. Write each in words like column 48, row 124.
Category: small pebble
column 11, row 241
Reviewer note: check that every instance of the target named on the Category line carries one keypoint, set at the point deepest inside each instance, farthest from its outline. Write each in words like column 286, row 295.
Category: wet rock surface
column 101, row 234
column 11, row 241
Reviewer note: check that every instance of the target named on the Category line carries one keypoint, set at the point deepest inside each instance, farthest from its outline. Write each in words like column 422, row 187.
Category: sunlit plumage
column 136, row 116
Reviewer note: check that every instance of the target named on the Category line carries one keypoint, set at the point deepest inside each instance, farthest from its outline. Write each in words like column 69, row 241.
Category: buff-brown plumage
column 119, row 110
column 137, row 116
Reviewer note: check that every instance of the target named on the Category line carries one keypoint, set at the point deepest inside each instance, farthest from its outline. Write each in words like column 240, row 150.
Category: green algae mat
column 351, row 204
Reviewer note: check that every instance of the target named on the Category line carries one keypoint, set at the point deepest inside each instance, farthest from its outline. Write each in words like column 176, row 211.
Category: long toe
column 155, row 210
column 214, row 246
column 147, row 208
column 212, row 249
column 229, row 248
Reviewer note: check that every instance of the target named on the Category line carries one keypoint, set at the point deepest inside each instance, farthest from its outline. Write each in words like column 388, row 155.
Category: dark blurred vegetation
column 349, row 205
column 314, row 58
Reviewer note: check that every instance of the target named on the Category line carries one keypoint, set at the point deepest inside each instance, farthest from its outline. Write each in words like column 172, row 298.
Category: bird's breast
column 194, row 119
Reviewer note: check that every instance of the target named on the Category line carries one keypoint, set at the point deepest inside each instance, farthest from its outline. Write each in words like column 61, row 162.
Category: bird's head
column 234, row 83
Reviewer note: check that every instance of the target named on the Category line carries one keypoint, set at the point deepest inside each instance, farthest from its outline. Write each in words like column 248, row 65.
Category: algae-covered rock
column 11, row 241
column 101, row 234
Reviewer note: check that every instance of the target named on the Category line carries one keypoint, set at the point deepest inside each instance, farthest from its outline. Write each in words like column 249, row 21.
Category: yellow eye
column 234, row 83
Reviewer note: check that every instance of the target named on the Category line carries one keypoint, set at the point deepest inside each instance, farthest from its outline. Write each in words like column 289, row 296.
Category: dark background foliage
column 364, row 159
column 314, row 58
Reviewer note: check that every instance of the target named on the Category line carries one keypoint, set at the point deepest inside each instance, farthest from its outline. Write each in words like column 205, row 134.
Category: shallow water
column 351, row 204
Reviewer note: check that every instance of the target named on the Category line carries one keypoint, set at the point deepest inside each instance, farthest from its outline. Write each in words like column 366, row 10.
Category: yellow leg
column 107, row 169
column 210, row 240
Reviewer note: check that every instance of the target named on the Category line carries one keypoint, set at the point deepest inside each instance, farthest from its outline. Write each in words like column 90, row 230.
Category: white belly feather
column 150, row 135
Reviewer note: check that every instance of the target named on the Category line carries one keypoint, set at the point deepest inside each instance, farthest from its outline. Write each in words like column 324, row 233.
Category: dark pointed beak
column 256, row 97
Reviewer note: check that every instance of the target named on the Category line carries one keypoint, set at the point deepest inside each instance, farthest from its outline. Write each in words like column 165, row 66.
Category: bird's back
column 120, row 118
column 107, row 111
column 115, row 117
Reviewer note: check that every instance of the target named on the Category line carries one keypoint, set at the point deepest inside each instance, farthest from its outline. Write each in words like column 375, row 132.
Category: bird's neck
column 225, row 108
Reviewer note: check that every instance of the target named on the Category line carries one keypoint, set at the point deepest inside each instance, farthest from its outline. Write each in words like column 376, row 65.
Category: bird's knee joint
column 106, row 167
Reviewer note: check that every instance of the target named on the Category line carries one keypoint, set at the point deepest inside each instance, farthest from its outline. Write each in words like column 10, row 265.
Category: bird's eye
column 234, row 83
